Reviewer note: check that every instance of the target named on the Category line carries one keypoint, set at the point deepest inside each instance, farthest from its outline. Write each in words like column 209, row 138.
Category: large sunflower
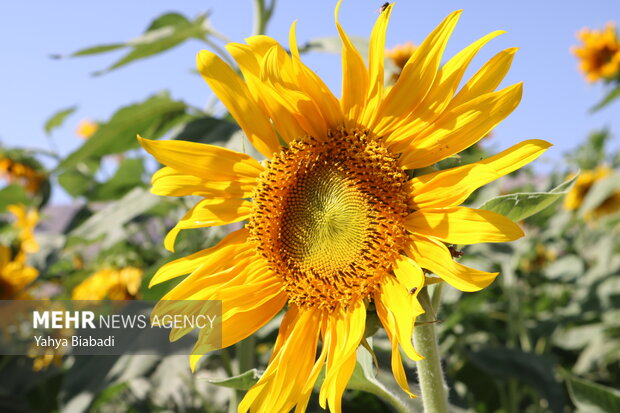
column 334, row 220
column 599, row 55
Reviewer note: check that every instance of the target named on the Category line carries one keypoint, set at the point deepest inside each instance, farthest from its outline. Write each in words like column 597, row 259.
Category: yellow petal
column 398, row 370
column 335, row 392
column 208, row 213
column 375, row 65
column 346, row 327
column 451, row 186
column 462, row 225
column 245, row 323
column 235, row 95
column 396, row 299
column 281, row 385
column 170, row 182
column 516, row 156
column 487, row 79
column 354, row 77
column 435, row 257
column 313, row 86
column 389, row 324
column 203, row 283
column 240, row 326
column 442, row 90
column 204, row 161
column 416, row 78
column 461, row 127
column 230, row 246
column 313, row 376
column 409, row 273
column 292, row 40
column 278, row 75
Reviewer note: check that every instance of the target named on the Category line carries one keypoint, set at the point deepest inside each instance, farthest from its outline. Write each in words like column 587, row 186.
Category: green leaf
column 566, row 268
column 13, row 194
column 591, row 153
column 242, row 381
column 530, row 368
column 364, row 373
column 610, row 97
column 592, row 397
column 151, row 118
column 165, row 32
column 92, row 50
column 600, row 191
column 58, row 118
column 75, row 182
column 81, row 179
column 332, row 44
column 127, row 176
column 208, row 130
column 525, row 204
column 109, row 223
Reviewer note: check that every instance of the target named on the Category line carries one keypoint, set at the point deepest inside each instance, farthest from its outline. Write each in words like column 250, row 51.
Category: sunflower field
column 352, row 208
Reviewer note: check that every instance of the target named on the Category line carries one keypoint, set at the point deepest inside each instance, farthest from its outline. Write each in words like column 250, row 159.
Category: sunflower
column 114, row 284
column 22, row 173
column 586, row 180
column 335, row 223
column 25, row 221
column 600, row 53
column 15, row 274
column 399, row 55
column 86, row 128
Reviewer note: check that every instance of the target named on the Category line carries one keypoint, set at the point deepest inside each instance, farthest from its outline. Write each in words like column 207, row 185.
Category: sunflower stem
column 430, row 374
column 262, row 14
column 382, row 392
column 245, row 358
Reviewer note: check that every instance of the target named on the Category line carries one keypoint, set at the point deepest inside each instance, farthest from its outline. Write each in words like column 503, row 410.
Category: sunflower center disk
column 329, row 217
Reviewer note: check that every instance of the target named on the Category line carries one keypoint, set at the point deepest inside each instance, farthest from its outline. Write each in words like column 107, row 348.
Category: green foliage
column 600, row 191
column 241, row 381
column 522, row 205
column 152, row 117
column 165, row 32
column 58, row 118
column 591, row 397
column 13, row 194
column 592, row 152
column 108, row 225
column 611, row 96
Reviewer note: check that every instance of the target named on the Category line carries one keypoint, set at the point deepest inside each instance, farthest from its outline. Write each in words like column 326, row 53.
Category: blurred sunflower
column 584, row 183
column 86, row 128
column 113, row 284
column 25, row 221
column 399, row 55
column 334, row 220
column 15, row 274
column 15, row 171
column 600, row 53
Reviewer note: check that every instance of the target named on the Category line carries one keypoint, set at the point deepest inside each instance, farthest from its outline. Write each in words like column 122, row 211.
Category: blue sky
column 33, row 86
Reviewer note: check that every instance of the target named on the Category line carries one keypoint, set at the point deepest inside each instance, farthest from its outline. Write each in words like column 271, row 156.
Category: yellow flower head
column 401, row 53
column 114, row 284
column 584, row 183
column 21, row 173
column 15, row 274
column 43, row 361
column 86, row 128
column 26, row 221
column 599, row 56
column 334, row 221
